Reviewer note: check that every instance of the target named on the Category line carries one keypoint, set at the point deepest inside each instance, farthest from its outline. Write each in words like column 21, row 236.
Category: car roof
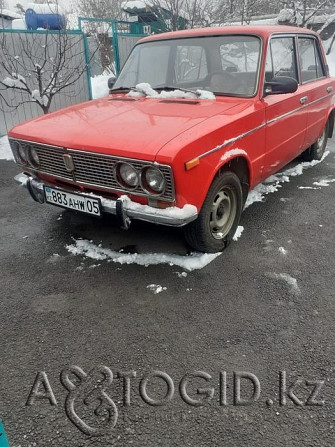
column 260, row 30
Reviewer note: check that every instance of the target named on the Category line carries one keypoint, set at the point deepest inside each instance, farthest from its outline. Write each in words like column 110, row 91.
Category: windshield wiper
column 186, row 90
column 120, row 89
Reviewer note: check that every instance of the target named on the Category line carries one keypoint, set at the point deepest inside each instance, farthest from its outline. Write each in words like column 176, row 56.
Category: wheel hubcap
column 223, row 213
column 320, row 143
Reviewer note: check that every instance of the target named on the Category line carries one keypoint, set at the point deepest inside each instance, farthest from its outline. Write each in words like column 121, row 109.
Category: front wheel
column 220, row 214
column 316, row 151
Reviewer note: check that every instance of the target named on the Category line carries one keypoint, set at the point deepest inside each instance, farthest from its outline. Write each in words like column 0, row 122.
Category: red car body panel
column 267, row 131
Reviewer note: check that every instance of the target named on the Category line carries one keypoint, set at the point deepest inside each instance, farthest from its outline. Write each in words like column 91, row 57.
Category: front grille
column 93, row 169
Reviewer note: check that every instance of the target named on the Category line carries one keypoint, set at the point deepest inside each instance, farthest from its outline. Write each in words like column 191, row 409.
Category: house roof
column 136, row 6
column 9, row 15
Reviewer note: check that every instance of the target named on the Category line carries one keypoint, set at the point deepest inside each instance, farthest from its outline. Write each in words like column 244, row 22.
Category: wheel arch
column 240, row 165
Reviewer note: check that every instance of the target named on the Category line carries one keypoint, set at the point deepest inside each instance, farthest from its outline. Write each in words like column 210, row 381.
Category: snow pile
column 273, row 183
column 5, row 150
column 100, row 86
column 194, row 261
column 155, row 288
column 145, row 89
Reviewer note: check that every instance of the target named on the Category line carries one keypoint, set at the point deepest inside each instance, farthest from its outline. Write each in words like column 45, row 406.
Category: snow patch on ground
column 282, row 250
column 307, row 187
column 155, row 288
column 324, row 182
column 181, row 274
column 273, row 183
column 194, row 261
column 238, row 233
column 99, row 86
column 292, row 282
column 5, row 150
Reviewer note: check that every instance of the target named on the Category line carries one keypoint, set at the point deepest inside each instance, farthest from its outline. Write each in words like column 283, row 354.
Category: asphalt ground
column 263, row 309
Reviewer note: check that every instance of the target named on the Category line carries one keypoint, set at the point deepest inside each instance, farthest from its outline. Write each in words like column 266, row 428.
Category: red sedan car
column 195, row 120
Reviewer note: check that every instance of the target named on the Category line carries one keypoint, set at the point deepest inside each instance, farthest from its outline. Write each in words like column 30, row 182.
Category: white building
column 7, row 17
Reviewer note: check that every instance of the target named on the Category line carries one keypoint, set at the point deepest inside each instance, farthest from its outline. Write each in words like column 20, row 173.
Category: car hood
column 121, row 126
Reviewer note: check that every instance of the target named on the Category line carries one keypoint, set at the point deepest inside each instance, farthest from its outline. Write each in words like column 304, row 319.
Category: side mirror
column 111, row 82
column 280, row 85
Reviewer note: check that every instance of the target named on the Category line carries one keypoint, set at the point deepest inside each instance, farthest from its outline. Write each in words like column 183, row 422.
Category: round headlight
column 153, row 180
column 127, row 176
column 22, row 154
column 33, row 158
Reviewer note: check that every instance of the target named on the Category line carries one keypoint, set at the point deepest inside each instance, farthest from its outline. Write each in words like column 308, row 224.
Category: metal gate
column 116, row 39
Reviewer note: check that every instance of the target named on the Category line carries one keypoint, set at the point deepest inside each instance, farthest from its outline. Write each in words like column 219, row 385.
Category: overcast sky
column 66, row 4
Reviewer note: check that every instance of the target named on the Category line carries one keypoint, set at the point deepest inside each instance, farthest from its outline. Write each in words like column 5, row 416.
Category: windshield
column 226, row 65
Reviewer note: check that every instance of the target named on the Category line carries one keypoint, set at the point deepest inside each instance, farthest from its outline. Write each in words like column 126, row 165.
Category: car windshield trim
column 175, row 41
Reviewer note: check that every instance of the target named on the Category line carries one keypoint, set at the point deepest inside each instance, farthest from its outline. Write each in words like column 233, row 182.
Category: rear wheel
column 316, row 151
column 220, row 214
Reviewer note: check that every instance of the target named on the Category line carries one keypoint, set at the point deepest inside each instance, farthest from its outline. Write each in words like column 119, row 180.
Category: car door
column 286, row 115
column 318, row 86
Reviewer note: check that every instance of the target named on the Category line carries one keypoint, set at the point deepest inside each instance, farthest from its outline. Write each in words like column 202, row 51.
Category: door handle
column 303, row 99
column 329, row 89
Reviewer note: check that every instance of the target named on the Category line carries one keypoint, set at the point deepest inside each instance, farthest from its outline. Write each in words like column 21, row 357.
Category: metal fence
column 116, row 39
column 14, row 45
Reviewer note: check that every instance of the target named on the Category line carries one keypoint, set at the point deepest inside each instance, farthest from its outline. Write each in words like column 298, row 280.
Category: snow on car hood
column 121, row 126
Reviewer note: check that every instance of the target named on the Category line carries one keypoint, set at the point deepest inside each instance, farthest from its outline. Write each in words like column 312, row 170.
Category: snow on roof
column 139, row 4
column 45, row 8
column 133, row 4
column 10, row 15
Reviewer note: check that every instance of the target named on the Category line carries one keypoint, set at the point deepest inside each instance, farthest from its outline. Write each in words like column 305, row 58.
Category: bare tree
column 302, row 12
column 39, row 67
column 102, row 9
column 19, row 8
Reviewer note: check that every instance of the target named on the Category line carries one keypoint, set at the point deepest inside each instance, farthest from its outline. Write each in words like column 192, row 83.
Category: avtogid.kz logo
column 90, row 408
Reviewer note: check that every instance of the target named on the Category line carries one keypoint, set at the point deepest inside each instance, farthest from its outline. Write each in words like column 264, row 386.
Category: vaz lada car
column 195, row 119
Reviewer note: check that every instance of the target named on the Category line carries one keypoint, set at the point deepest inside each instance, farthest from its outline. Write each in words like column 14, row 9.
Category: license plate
column 77, row 202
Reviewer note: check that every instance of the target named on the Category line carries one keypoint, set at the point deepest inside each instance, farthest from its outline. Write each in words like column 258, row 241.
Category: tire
column 316, row 151
column 220, row 214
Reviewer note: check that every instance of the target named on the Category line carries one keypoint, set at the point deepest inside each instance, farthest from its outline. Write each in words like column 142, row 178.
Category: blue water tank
column 50, row 21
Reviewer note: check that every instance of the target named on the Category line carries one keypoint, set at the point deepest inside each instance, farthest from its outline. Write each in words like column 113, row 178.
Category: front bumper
column 123, row 208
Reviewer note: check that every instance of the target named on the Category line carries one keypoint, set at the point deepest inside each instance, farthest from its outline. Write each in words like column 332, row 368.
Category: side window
column 280, row 60
column 310, row 61
column 240, row 56
column 191, row 63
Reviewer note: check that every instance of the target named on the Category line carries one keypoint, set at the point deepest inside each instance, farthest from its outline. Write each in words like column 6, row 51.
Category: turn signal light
column 192, row 163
